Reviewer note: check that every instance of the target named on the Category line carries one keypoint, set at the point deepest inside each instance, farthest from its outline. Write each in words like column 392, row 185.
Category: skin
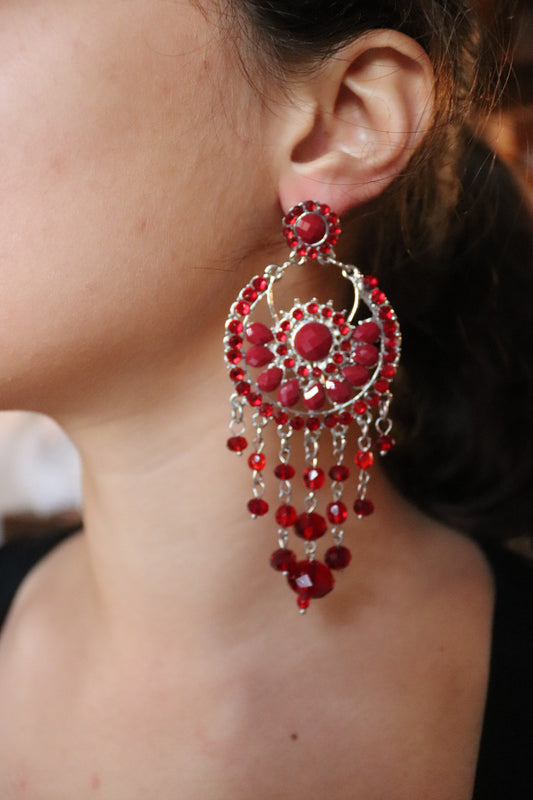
column 132, row 149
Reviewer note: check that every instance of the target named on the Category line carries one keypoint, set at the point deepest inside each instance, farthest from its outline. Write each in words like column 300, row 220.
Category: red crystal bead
column 260, row 283
column 330, row 369
column 314, row 478
column 289, row 393
column 388, row 371
column 270, row 379
column 297, row 423
column 303, row 371
column 313, row 341
column 237, row 444
column 282, row 350
column 311, row 579
column 385, row 312
column 345, row 418
column 258, row 507
column 298, row 313
column 389, row 327
column 303, row 603
column 363, row 508
column 235, row 326
column 258, row 356
column 384, row 443
column 234, row 356
column 285, row 325
column 327, row 312
column 311, row 228
column 312, row 308
column 367, row 332
column 281, row 336
column 254, row 399
column 285, row 472
column 356, row 375
column 382, row 385
column 344, row 329
column 235, row 341
column 313, row 424
column 257, row 333
column 337, row 512
column 370, row 281
column 257, row 461
column 310, row 205
column 367, row 355
column 237, row 374
column 338, row 358
column 243, row 388
column 364, row 459
column 243, row 308
column 249, row 294
column 331, row 420
column 281, row 418
column 378, row 297
column 339, row 391
column 314, row 397
column 286, row 515
column 283, row 560
column 372, row 399
column 316, row 371
column 266, row 410
column 339, row 473
column 345, row 346
column 360, row 407
column 310, row 526
column 338, row 319
column 338, row 557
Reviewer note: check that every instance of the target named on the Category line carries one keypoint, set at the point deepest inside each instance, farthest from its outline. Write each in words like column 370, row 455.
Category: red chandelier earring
column 315, row 370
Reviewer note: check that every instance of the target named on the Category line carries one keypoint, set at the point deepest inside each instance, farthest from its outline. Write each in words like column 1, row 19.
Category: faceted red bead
column 356, row 375
column 289, row 393
column 243, row 308
column 281, row 336
column 338, row 557
column 243, row 388
column 249, row 294
column 388, row 371
column 283, row 560
column 313, row 424
column 327, row 312
column 235, row 341
column 258, row 507
column 266, row 410
column 310, row 205
column 378, row 297
column 345, row 418
column 237, row 374
column 260, row 283
column 281, row 418
column 390, row 356
column 370, row 281
column 285, row 472
column 314, row 397
column 258, row 356
column 313, row 341
column 285, row 325
column 364, row 459
column 344, row 330
column 331, row 420
column 367, row 355
column 372, row 399
column 385, row 312
column 257, row 461
column 338, row 358
column 303, row 371
column 270, row 379
column 254, row 399
column 237, row 444
column 389, row 327
column 337, row 512
column 257, row 333
column 363, row 508
column 360, row 407
column 338, row 319
column 297, row 423
column 312, row 308
column 324, row 209
column 234, row 356
column 339, row 391
column 367, row 332
column 314, row 478
column 382, row 385
column 345, row 346
column 297, row 313
column 311, row 228
column 311, row 579
column 286, row 516
column 384, row 443
column 303, row 603
column 235, row 326
column 339, row 473
column 310, row 526
column 330, row 369
column 282, row 350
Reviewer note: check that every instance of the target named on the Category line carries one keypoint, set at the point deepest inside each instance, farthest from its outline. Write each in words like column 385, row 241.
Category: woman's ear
column 354, row 124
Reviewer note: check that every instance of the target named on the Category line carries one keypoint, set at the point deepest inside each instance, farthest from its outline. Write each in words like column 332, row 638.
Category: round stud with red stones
column 311, row 229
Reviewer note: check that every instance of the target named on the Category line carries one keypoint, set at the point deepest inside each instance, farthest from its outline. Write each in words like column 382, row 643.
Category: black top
column 505, row 764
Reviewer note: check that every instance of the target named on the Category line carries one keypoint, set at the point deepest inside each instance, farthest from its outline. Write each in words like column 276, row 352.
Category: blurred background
column 39, row 467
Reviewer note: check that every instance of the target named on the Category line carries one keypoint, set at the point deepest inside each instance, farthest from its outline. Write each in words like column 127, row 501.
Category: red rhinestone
column 311, row 228
column 258, row 507
column 310, row 526
column 330, row 369
column 385, row 312
column 283, row 560
column 370, row 281
column 317, row 372
column 285, row 325
column 364, row 459
column 344, row 329
column 266, row 410
column 281, row 336
column 337, row 512
column 289, row 363
column 313, row 424
column 286, row 515
column 389, row 327
column 391, row 341
column 314, row 478
column 281, row 418
column 258, row 356
column 363, row 508
column 311, row 579
column 378, row 297
column 303, row 603
column 235, row 341
column 297, row 423
column 372, row 399
column 297, row 313
column 367, row 332
column 356, row 375
column 285, row 472
column 243, row 308
column 303, row 371
column 345, row 346
column 359, row 407
column 237, row 374
column 388, row 371
column 345, row 418
column 270, row 379
column 338, row 358
column 325, row 248
column 237, row 444
column 234, row 356
column 243, row 388
column 257, row 461
column 260, row 283
column 254, row 399
column 338, row 319
column 312, row 308
column 302, row 250
column 339, row 473
column 382, row 385
column 235, row 326
column 310, row 205
column 324, row 209
column 282, row 350
column 313, row 341
column 338, row 557
column 384, row 443
column 327, row 312
column 249, row 294
column 257, row 333
column 332, row 217
column 314, row 397
column 289, row 393
column 390, row 356
column 339, row 391
column 331, row 420
column 367, row 355
column 293, row 214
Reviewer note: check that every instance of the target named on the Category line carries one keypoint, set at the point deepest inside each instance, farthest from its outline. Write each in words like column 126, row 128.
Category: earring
column 313, row 370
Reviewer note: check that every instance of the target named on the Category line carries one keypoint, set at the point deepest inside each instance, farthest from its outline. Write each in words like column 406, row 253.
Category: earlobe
column 362, row 118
